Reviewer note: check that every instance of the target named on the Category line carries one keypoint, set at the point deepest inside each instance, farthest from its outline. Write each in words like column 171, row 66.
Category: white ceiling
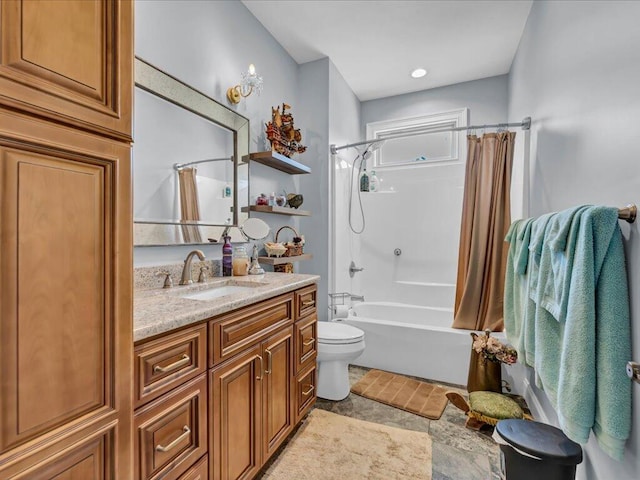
column 376, row 44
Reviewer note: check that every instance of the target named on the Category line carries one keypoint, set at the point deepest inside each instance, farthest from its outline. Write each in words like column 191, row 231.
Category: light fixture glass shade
column 250, row 82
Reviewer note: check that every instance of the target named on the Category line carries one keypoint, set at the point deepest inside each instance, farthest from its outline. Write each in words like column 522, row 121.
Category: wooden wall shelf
column 279, row 162
column 278, row 210
column 282, row 260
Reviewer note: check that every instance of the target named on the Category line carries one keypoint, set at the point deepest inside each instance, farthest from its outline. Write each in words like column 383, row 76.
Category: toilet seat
column 334, row 333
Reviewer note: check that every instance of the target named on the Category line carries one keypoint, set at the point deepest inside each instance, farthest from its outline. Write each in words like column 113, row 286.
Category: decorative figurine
column 284, row 138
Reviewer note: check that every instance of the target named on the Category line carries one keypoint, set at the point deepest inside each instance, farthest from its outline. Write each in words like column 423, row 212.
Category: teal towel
column 556, row 261
column 538, row 229
column 516, row 285
column 580, row 360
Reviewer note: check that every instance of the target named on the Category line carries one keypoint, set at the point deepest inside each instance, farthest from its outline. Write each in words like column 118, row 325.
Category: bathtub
column 413, row 340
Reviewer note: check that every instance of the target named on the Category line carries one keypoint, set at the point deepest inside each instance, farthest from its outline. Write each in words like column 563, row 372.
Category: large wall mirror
column 190, row 179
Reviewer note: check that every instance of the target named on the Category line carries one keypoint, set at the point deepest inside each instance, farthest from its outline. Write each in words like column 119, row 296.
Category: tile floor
column 458, row 453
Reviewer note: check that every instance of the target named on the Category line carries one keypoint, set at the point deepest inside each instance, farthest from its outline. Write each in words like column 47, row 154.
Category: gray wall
column 208, row 45
column 486, row 100
column 576, row 73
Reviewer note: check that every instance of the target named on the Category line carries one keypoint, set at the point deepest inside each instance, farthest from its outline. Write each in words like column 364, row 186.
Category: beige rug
column 421, row 398
column 334, row 447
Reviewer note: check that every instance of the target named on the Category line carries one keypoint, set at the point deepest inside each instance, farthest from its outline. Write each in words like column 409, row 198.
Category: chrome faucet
column 186, row 271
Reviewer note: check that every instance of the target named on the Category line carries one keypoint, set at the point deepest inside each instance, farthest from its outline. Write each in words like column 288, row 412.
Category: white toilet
column 338, row 345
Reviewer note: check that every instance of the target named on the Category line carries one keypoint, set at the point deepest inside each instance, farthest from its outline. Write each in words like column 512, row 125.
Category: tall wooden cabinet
column 65, row 239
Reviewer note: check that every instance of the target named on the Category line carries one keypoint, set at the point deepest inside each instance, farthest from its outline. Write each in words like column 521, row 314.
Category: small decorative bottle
column 240, row 261
column 226, row 191
column 374, row 183
column 364, row 181
column 227, row 259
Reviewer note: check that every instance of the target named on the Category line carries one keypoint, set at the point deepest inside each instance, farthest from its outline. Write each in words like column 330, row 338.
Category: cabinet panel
column 305, row 301
column 231, row 333
column 305, row 391
column 306, row 341
column 277, row 404
column 87, row 461
column 57, row 330
column 67, row 60
column 163, row 364
column 171, row 433
column 200, row 471
column 234, row 437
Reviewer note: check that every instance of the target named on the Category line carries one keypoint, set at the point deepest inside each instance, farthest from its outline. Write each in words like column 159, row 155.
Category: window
column 420, row 147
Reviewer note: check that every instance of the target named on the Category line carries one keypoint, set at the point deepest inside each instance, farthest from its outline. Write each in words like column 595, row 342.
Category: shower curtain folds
column 482, row 255
column 189, row 205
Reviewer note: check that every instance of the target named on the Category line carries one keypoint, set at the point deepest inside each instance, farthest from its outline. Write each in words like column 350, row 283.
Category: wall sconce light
column 250, row 81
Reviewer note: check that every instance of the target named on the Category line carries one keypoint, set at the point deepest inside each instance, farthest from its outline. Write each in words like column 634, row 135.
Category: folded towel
column 516, row 285
column 556, row 261
column 538, row 229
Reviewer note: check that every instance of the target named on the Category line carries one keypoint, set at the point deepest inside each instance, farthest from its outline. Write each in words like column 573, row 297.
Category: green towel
column 580, row 360
column 516, row 285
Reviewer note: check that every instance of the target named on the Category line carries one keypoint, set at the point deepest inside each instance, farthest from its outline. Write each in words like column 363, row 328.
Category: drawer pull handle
column 308, row 303
column 311, row 341
column 186, row 432
column 311, row 389
column 258, row 357
column 185, row 360
column 268, row 370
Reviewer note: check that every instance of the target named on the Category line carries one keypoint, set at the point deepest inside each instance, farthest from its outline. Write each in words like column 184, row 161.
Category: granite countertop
column 159, row 310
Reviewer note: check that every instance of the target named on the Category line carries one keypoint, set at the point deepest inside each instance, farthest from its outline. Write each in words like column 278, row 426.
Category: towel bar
column 628, row 213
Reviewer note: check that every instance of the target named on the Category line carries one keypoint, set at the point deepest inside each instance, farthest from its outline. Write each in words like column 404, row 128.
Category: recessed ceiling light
column 418, row 73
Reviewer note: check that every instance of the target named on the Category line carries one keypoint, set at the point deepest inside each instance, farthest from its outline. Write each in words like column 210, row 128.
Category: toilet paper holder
column 633, row 371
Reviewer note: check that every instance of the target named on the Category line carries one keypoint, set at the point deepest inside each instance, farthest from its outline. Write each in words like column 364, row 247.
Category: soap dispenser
column 227, row 257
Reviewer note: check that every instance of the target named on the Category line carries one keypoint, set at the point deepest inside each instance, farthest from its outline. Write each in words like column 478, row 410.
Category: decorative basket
column 275, row 249
column 293, row 249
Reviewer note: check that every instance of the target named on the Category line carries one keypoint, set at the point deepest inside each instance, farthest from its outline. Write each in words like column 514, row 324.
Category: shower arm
column 525, row 124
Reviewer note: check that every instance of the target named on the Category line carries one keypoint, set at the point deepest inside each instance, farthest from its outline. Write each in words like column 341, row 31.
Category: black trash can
column 534, row 451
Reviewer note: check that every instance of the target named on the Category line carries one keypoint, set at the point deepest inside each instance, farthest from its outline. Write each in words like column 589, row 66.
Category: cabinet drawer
column 200, row 471
column 306, row 341
column 171, row 433
column 306, row 301
column 305, row 391
column 232, row 333
column 165, row 363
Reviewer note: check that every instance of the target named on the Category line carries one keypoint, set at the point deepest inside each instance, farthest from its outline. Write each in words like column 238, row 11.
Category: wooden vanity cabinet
column 261, row 361
column 65, row 240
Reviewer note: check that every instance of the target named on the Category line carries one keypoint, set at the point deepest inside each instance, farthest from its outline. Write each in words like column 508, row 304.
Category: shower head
column 372, row 147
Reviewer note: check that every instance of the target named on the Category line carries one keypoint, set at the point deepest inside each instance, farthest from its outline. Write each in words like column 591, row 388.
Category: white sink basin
column 217, row 292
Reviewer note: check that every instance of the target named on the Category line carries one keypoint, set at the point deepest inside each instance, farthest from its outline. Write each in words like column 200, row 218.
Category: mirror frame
column 169, row 88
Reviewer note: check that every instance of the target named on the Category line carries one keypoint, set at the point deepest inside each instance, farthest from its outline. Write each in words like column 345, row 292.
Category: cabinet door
column 65, row 304
column 235, row 425
column 70, row 61
column 277, row 405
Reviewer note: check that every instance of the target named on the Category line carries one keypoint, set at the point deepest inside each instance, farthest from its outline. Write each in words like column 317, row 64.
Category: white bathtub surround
column 413, row 340
column 338, row 346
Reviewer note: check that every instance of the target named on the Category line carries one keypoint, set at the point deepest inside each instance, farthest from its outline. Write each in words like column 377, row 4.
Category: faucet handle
column 168, row 281
column 203, row 274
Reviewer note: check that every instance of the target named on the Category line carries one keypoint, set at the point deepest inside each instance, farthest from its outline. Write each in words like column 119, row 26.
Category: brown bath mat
column 421, row 398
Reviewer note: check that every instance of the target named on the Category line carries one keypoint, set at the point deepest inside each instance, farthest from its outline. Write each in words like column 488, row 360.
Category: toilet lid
column 333, row 332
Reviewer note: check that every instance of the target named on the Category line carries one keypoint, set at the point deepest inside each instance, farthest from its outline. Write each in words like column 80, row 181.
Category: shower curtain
column 189, row 207
column 486, row 217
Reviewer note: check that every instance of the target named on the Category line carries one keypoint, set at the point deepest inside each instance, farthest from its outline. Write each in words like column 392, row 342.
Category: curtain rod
column 180, row 166
column 525, row 124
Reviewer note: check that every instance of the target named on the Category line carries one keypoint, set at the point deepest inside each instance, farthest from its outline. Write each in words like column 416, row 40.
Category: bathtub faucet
column 357, row 298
